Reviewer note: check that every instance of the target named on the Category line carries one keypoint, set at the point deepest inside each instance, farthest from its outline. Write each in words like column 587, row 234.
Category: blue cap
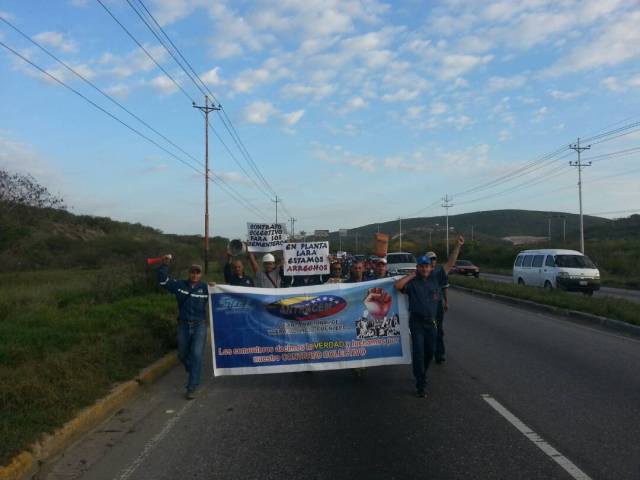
column 424, row 260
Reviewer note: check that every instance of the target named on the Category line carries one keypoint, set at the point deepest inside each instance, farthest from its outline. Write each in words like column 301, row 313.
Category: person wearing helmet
column 270, row 275
column 443, row 306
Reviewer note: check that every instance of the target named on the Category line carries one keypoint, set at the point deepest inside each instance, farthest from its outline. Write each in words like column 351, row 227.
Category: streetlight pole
column 447, row 205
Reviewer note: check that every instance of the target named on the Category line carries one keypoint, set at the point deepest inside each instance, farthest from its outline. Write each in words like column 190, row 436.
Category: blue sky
column 355, row 111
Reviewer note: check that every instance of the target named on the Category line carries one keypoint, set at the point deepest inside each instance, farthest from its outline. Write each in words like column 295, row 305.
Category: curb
column 28, row 462
column 609, row 323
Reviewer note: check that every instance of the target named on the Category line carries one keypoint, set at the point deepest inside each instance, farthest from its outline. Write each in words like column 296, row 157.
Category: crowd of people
column 426, row 289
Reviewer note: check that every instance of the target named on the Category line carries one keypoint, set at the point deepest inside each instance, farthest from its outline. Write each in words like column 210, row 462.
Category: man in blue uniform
column 424, row 287
column 234, row 273
column 443, row 306
column 192, row 296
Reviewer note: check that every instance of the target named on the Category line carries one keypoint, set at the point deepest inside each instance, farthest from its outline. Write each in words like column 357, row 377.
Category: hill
column 34, row 238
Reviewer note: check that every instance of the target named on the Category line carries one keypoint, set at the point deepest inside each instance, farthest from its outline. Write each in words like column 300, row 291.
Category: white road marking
column 150, row 445
column 548, row 449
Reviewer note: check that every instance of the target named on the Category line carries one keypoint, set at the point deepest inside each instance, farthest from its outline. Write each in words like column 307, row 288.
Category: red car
column 465, row 267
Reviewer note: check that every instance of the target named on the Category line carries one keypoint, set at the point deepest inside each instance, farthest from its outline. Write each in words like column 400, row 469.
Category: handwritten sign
column 265, row 237
column 310, row 258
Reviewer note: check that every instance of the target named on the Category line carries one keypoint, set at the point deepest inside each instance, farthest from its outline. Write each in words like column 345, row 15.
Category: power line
column 236, row 195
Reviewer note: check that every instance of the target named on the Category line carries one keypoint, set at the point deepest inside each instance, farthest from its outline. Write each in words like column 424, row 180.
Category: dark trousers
column 423, row 344
column 440, row 332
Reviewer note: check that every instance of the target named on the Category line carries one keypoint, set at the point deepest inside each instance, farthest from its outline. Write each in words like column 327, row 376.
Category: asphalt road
column 624, row 293
column 575, row 387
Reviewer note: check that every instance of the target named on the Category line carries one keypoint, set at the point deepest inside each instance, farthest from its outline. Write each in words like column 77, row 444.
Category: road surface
column 522, row 395
column 624, row 293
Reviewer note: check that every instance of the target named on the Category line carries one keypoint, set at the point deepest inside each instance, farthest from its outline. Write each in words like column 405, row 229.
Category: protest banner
column 324, row 327
column 265, row 237
column 308, row 258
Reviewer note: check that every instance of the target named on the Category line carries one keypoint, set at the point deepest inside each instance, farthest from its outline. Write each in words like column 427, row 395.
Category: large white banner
column 266, row 237
column 307, row 258
column 323, row 327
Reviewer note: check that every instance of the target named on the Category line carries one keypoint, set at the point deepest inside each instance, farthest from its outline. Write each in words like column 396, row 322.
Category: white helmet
column 268, row 258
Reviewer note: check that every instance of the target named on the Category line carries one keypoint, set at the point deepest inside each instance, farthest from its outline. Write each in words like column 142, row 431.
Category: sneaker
column 190, row 395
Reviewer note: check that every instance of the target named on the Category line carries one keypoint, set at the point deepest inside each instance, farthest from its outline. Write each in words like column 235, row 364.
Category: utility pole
column 576, row 146
column 549, row 235
column 293, row 224
column 447, row 205
column 276, row 201
column 356, row 242
column 400, row 219
column 564, row 229
column 206, row 108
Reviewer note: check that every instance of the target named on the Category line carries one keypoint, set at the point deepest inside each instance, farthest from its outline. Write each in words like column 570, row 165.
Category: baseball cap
column 381, row 260
column 423, row 260
column 268, row 258
column 431, row 255
column 195, row 267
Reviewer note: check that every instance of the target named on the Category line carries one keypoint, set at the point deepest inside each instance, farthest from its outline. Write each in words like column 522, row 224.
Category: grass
column 66, row 337
column 603, row 306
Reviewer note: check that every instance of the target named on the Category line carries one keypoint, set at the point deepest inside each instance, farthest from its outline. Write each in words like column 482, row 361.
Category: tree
column 18, row 189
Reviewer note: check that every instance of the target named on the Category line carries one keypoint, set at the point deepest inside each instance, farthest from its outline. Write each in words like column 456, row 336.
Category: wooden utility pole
column 206, row 108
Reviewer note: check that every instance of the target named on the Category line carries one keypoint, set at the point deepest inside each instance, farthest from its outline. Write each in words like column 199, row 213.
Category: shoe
column 190, row 395
column 421, row 394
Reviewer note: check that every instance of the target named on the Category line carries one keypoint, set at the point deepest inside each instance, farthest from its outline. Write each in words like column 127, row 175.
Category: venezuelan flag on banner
column 324, row 327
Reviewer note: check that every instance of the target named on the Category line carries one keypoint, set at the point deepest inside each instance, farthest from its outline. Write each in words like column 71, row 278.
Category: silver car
column 401, row 263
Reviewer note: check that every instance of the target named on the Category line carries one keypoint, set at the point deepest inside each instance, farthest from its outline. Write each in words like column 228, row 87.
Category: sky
column 352, row 111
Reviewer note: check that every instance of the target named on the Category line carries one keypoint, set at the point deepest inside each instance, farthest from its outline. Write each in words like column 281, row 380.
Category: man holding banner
column 424, row 287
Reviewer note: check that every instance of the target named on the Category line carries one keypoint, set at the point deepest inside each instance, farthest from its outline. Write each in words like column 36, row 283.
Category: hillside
column 488, row 226
column 44, row 238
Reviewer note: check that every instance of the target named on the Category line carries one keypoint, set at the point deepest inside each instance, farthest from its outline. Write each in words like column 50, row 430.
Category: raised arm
column 253, row 262
column 400, row 284
column 164, row 279
column 454, row 255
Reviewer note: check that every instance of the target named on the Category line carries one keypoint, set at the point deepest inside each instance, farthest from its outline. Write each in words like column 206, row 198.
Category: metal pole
column 564, row 229
column 447, row 205
column 576, row 146
column 549, row 235
column 206, row 109
column 356, row 243
column 400, row 233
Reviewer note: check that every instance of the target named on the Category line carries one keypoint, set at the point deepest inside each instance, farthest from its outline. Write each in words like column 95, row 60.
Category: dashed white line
column 537, row 440
column 150, row 445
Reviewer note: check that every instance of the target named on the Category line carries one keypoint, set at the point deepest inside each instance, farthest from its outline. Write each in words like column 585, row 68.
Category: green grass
column 603, row 306
column 66, row 337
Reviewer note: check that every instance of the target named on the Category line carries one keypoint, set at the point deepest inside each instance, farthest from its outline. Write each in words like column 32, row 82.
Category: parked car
column 554, row 268
column 401, row 263
column 465, row 267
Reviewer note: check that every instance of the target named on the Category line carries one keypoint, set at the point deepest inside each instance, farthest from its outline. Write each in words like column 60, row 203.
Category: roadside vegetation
column 609, row 307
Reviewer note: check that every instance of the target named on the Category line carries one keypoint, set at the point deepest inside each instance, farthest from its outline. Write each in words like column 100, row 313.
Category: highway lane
column 577, row 387
column 624, row 293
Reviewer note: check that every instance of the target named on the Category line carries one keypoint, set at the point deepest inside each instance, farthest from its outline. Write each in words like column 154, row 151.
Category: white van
column 551, row 268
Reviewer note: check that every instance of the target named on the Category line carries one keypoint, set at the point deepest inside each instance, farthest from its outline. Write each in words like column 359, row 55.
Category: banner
column 309, row 258
column 265, row 237
column 324, row 327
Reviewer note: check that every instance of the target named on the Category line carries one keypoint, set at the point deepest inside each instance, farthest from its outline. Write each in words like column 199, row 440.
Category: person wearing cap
column 270, row 276
column 443, row 306
column 234, row 273
column 379, row 269
column 192, row 296
column 424, row 287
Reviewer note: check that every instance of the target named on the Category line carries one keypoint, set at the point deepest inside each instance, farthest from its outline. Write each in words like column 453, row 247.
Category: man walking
column 424, row 290
column 443, row 306
column 192, row 297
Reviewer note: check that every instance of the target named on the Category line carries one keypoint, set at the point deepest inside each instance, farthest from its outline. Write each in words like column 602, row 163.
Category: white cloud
column 561, row 95
column 234, row 177
column 355, row 103
column 399, row 162
column 134, row 62
column 402, row 95
column 618, row 85
column 270, row 71
column 318, row 92
column 414, row 112
column 163, row 84
column 337, row 155
column 259, row 112
column 454, row 65
column 292, row 118
column 212, row 77
column 438, row 108
column 119, row 90
column 506, row 83
column 56, row 40
column 539, row 114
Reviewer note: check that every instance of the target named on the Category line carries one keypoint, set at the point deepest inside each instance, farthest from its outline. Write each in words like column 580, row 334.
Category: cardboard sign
column 265, row 237
column 309, row 258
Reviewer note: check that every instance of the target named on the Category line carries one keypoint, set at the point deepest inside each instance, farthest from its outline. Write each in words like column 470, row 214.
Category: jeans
column 440, row 335
column 191, row 340
column 423, row 343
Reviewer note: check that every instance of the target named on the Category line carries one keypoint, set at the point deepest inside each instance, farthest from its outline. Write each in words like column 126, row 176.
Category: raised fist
column 378, row 302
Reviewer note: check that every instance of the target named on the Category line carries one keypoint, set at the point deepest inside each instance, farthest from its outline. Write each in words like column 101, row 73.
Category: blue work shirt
column 425, row 294
column 192, row 299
